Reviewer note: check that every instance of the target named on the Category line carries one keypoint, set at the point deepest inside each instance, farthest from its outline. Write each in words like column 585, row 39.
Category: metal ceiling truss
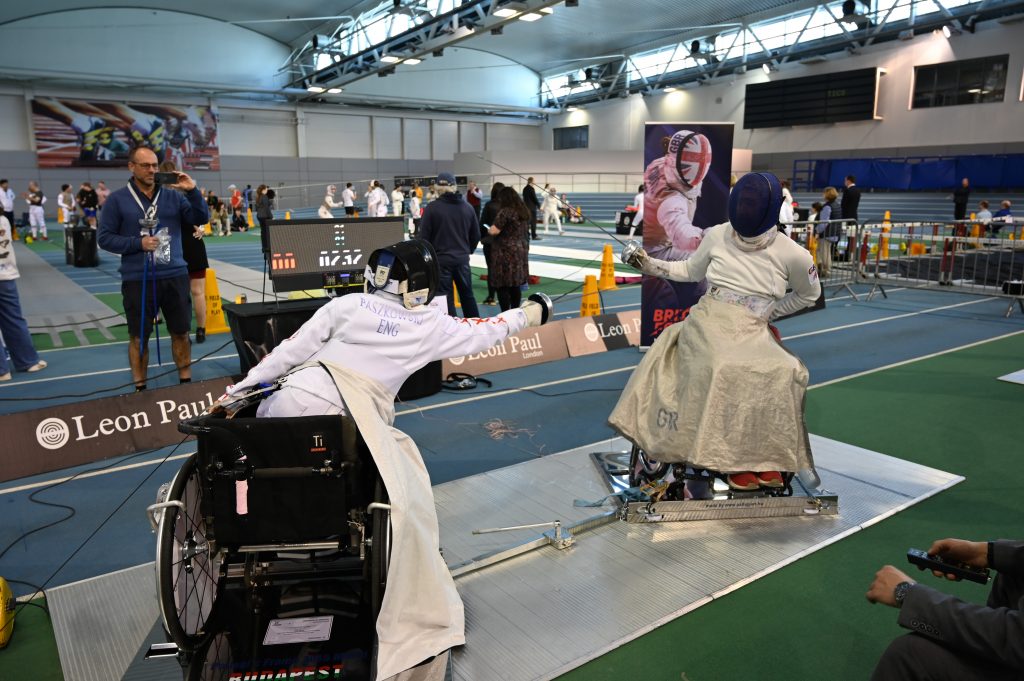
column 431, row 34
column 613, row 78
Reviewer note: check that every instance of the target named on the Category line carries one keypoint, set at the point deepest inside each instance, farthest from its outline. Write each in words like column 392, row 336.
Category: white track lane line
column 108, row 371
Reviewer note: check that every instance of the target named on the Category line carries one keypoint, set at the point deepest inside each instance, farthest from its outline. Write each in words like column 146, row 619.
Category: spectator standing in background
column 474, row 197
column 193, row 250
column 509, row 254
column 397, row 200
column 851, row 199
column 66, row 202
column 14, row 335
column 89, row 202
column 36, row 219
column 961, row 195
column 638, row 204
column 264, row 206
column 7, row 202
column 236, row 197
column 102, row 193
column 786, row 211
column 127, row 227
column 827, row 229
column 414, row 205
column 490, row 212
column 382, row 201
column 248, row 199
column 452, row 228
column 348, row 199
column 532, row 205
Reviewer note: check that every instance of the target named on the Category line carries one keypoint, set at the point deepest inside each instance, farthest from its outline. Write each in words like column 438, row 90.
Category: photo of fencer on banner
column 686, row 190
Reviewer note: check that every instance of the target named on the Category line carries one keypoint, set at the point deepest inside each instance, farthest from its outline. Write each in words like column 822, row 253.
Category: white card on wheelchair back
column 298, row 630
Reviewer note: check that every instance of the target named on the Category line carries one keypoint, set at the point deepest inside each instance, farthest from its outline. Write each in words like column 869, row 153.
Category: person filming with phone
column 142, row 222
column 952, row 638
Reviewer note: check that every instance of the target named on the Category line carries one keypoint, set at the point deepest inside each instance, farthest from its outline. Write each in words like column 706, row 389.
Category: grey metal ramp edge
column 112, row 613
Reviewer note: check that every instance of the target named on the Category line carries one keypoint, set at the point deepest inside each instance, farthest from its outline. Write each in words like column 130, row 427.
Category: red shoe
column 745, row 482
column 770, row 479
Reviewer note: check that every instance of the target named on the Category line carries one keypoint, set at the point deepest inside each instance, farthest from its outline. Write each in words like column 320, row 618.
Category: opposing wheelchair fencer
column 272, row 519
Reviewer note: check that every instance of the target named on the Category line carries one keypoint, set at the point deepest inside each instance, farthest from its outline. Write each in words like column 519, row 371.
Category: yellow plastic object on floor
column 812, row 246
column 215, row 321
column 455, row 294
column 6, row 613
column 287, row 215
column 917, row 249
column 60, row 216
column 607, row 280
column 207, row 229
column 248, row 217
column 590, row 303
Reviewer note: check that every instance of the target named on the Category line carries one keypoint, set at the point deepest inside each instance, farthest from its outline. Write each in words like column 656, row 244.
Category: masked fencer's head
column 754, row 204
column 687, row 160
column 407, row 269
column 331, row 188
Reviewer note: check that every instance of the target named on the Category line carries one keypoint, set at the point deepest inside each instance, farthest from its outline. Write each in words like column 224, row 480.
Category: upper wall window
column 577, row 137
column 971, row 81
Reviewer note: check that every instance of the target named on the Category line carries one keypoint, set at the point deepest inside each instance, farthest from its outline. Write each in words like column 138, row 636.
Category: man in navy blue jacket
column 450, row 224
column 129, row 223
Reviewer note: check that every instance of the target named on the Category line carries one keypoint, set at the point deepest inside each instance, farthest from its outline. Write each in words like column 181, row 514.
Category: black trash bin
column 84, row 247
column 69, row 246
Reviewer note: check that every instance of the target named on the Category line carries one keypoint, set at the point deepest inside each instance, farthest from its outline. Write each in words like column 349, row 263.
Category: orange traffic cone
column 607, row 281
column 590, row 304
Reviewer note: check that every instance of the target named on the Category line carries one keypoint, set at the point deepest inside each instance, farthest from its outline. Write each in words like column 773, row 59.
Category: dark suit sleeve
column 995, row 634
column 1008, row 557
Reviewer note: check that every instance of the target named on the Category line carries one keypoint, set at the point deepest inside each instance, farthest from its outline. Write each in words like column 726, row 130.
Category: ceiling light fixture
column 570, row 109
column 530, row 16
column 670, row 89
column 334, row 91
column 315, row 88
column 390, row 59
column 412, row 61
column 505, row 12
column 547, row 10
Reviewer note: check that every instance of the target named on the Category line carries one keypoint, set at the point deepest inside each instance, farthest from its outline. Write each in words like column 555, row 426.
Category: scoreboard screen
column 813, row 100
column 331, row 254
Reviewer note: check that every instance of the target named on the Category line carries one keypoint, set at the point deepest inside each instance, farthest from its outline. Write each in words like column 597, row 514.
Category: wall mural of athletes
column 73, row 132
column 686, row 191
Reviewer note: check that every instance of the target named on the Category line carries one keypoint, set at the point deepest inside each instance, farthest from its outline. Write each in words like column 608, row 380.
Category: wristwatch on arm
column 900, row 592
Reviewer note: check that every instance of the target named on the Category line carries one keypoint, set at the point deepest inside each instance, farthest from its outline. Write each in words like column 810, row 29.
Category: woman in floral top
column 509, row 259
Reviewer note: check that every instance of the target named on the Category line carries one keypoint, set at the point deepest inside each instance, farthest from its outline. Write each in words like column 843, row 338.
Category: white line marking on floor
column 93, row 474
column 886, row 319
column 109, row 371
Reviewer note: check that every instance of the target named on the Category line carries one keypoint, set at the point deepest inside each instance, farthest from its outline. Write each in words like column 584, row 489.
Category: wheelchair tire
column 380, row 553
column 642, row 470
column 213, row 661
column 188, row 577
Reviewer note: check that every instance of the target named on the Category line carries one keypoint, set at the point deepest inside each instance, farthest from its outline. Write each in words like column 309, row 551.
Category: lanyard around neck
column 150, row 213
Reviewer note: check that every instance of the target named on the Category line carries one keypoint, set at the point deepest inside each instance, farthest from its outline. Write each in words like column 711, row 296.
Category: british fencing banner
column 687, row 167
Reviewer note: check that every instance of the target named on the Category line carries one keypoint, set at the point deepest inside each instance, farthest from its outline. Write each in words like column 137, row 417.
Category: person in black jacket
column 490, row 212
column 533, row 205
column 452, row 228
column 953, row 639
column 961, row 196
column 851, row 199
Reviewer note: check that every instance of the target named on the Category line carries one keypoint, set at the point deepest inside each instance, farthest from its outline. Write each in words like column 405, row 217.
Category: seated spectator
column 1002, row 217
column 951, row 638
column 238, row 221
column 984, row 216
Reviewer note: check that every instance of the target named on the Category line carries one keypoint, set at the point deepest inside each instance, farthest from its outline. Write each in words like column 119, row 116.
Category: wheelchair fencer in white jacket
column 352, row 357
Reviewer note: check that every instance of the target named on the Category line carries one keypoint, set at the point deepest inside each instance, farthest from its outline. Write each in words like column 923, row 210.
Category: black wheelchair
column 272, row 519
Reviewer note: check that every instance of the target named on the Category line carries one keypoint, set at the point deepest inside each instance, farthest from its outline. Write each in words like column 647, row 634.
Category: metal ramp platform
column 565, row 607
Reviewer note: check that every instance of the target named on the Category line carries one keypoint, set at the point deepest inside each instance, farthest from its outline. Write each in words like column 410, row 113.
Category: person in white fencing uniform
column 329, row 203
column 372, row 199
column 382, row 202
column 352, row 357
column 397, row 200
column 550, row 210
column 717, row 391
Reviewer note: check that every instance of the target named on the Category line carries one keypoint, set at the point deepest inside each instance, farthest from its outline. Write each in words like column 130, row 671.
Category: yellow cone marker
column 455, row 296
column 248, row 217
column 607, row 281
column 287, row 215
column 215, row 322
column 590, row 304
column 60, row 215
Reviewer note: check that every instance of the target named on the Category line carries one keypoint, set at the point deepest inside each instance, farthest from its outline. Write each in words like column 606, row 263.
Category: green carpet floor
column 810, row 620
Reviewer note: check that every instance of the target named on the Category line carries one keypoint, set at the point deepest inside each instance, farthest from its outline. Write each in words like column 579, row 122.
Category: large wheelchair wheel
column 187, row 571
column 214, row 661
column 642, row 469
column 380, row 549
